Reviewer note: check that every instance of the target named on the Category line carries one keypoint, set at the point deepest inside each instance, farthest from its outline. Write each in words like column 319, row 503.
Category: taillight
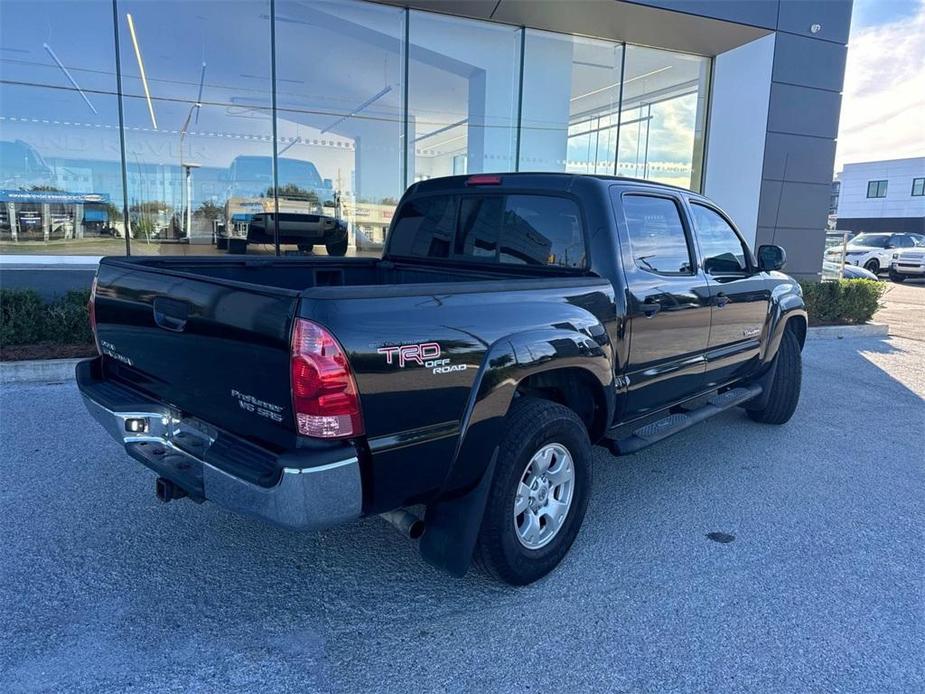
column 91, row 310
column 324, row 393
column 483, row 180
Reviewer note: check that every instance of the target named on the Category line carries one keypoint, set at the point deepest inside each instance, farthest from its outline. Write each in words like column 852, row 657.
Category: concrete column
column 46, row 221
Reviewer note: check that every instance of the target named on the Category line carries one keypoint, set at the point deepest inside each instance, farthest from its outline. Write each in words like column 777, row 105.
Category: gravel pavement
column 823, row 588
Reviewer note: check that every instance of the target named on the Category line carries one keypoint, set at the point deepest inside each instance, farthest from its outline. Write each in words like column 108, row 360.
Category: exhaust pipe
column 165, row 490
column 405, row 522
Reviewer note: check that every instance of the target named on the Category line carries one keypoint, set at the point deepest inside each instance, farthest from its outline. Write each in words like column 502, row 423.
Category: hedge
column 842, row 302
column 26, row 319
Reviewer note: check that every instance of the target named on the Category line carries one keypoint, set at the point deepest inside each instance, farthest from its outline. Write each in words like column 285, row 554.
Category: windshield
column 291, row 171
column 870, row 241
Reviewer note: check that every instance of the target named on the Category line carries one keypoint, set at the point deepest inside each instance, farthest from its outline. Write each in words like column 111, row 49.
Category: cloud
column 883, row 105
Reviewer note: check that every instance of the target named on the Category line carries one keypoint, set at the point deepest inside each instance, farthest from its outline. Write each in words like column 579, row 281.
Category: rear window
column 537, row 230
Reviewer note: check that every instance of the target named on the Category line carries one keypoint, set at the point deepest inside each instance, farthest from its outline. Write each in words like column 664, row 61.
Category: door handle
column 170, row 314
column 650, row 307
column 720, row 300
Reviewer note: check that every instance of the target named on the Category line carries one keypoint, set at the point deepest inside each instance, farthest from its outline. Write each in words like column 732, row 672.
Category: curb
column 38, row 371
column 841, row 332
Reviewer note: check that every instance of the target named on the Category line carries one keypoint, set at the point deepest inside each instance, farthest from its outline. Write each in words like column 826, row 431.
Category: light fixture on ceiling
column 69, row 77
column 141, row 69
column 617, row 84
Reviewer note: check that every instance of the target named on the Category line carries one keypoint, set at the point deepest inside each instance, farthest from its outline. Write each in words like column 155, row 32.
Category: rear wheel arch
column 573, row 387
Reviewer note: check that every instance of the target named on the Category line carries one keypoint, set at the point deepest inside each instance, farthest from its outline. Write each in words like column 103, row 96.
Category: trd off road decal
column 426, row 354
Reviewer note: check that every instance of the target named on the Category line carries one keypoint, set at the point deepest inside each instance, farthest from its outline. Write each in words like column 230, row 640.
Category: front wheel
column 872, row 265
column 785, row 386
column 539, row 495
column 339, row 248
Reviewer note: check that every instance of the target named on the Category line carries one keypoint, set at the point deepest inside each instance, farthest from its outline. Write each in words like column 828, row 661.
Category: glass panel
column 541, row 230
column 656, row 234
column 571, row 94
column 463, row 86
column 196, row 79
column 479, row 226
column 721, row 247
column 339, row 117
column 60, row 170
column 425, row 228
column 664, row 116
column 918, row 186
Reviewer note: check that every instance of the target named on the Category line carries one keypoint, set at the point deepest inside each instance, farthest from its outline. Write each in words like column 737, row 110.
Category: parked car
column 874, row 252
column 832, row 269
column 908, row 263
column 512, row 321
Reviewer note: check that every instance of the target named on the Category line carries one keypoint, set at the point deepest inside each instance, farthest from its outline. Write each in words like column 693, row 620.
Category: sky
column 883, row 103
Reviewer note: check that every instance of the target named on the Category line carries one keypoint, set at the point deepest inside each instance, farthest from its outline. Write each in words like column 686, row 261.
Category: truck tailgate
column 212, row 348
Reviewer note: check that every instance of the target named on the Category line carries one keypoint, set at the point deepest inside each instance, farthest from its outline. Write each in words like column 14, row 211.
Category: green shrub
column 25, row 319
column 842, row 302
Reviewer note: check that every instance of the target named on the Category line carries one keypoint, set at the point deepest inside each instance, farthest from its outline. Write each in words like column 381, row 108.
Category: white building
column 882, row 196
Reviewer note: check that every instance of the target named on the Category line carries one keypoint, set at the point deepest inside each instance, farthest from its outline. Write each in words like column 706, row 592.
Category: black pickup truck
column 456, row 385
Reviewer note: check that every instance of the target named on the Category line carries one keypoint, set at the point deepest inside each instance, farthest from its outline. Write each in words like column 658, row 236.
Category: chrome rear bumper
column 304, row 498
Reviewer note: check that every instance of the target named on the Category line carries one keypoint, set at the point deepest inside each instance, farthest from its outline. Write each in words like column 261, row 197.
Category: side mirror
column 771, row 258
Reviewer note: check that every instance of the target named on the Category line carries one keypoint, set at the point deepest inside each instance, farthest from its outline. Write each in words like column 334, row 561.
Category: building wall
column 899, row 202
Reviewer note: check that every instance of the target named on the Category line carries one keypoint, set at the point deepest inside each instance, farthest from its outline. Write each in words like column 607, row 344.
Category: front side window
column 918, row 187
column 656, row 233
column 876, row 189
column 722, row 249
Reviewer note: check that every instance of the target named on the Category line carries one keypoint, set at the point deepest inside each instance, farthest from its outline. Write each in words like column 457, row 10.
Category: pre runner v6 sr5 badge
column 426, row 354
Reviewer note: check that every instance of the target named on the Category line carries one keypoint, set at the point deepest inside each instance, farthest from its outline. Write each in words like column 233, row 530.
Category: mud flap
column 453, row 526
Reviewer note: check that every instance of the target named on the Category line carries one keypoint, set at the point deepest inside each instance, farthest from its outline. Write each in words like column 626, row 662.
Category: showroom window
column 198, row 122
column 339, row 112
column 60, row 162
column 571, row 100
column 664, row 116
column 463, row 96
column 876, row 189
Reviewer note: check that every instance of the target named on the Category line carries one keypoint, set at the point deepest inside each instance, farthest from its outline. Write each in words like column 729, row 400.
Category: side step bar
column 673, row 423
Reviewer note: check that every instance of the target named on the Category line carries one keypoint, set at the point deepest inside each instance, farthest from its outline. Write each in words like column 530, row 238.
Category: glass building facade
column 232, row 108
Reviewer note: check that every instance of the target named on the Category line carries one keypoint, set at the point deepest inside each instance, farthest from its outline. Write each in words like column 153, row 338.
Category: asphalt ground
column 822, row 588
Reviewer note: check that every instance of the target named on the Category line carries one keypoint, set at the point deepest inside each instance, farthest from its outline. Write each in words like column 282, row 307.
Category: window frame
column 471, row 261
column 921, row 182
column 878, row 183
column 751, row 265
column 685, row 225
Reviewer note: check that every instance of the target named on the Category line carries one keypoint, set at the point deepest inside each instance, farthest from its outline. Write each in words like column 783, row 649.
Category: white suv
column 874, row 252
column 908, row 263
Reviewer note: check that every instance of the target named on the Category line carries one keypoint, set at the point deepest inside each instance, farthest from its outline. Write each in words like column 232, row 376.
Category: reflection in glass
column 60, row 177
column 463, row 84
column 664, row 114
column 571, row 96
column 339, row 93
column 198, row 109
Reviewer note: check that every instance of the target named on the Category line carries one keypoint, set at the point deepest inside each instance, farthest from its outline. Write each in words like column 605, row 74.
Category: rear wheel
column 785, row 386
column 339, row 248
column 873, row 265
column 539, row 494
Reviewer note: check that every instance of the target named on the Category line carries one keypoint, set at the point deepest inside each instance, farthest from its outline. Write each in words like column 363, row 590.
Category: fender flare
column 786, row 305
column 453, row 521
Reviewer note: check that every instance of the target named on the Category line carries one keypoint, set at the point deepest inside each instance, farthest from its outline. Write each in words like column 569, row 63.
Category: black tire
column 306, row 247
column 873, row 265
column 532, row 424
column 897, row 277
column 785, row 386
column 339, row 248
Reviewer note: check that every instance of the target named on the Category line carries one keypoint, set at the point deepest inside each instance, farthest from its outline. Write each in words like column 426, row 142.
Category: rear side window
column 656, row 234
column 537, row 230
